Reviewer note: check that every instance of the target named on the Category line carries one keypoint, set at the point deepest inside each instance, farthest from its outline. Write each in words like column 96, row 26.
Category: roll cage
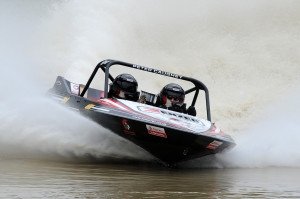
column 106, row 64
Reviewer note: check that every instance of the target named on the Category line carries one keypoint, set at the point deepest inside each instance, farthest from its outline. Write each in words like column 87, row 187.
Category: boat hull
column 170, row 140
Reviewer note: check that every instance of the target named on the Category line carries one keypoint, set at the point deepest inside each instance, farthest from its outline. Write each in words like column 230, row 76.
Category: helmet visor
column 174, row 95
column 127, row 86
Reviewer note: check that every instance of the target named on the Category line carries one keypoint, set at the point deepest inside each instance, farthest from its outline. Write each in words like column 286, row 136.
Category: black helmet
column 172, row 91
column 124, row 83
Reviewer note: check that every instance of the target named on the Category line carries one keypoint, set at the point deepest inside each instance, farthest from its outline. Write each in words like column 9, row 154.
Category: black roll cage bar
column 106, row 64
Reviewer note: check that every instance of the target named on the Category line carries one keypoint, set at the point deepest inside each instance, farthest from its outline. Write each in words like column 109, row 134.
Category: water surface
column 21, row 178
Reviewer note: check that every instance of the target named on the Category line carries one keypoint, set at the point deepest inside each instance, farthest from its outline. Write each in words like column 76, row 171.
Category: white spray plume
column 41, row 128
column 271, row 140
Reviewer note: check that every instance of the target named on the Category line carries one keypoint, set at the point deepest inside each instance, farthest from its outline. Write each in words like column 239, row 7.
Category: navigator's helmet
column 171, row 93
column 124, row 86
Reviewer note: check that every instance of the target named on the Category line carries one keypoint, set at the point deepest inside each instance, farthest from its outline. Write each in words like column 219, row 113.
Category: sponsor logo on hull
column 88, row 107
column 127, row 127
column 213, row 145
column 75, row 88
column 65, row 100
column 149, row 110
column 157, row 131
column 216, row 131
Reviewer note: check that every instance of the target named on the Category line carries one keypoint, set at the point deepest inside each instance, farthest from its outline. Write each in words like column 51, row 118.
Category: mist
column 247, row 53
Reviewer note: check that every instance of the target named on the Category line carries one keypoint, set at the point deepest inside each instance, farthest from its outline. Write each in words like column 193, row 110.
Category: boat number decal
column 157, row 131
column 88, row 107
column 215, row 144
column 127, row 127
column 65, row 100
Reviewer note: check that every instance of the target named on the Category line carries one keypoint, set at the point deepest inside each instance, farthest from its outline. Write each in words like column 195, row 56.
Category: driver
column 124, row 86
column 172, row 97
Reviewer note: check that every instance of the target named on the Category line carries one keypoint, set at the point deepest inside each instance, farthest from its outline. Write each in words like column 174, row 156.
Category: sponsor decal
column 115, row 104
column 182, row 116
column 157, row 131
column 111, row 103
column 147, row 109
column 216, row 131
column 213, row 145
column 88, row 107
column 65, row 100
column 75, row 88
column 125, row 124
column 157, row 71
column 150, row 120
column 129, row 132
column 127, row 127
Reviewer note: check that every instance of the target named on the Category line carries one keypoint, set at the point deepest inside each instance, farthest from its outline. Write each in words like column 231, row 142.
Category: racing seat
column 147, row 98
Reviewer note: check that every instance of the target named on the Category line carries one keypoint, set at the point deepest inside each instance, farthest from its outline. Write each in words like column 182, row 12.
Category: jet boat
column 168, row 135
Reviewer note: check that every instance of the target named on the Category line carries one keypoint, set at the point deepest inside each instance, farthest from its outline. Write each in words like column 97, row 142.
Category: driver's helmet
column 124, row 86
column 171, row 93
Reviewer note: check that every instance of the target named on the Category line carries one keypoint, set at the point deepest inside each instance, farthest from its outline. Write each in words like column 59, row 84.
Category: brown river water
column 49, row 179
column 246, row 53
